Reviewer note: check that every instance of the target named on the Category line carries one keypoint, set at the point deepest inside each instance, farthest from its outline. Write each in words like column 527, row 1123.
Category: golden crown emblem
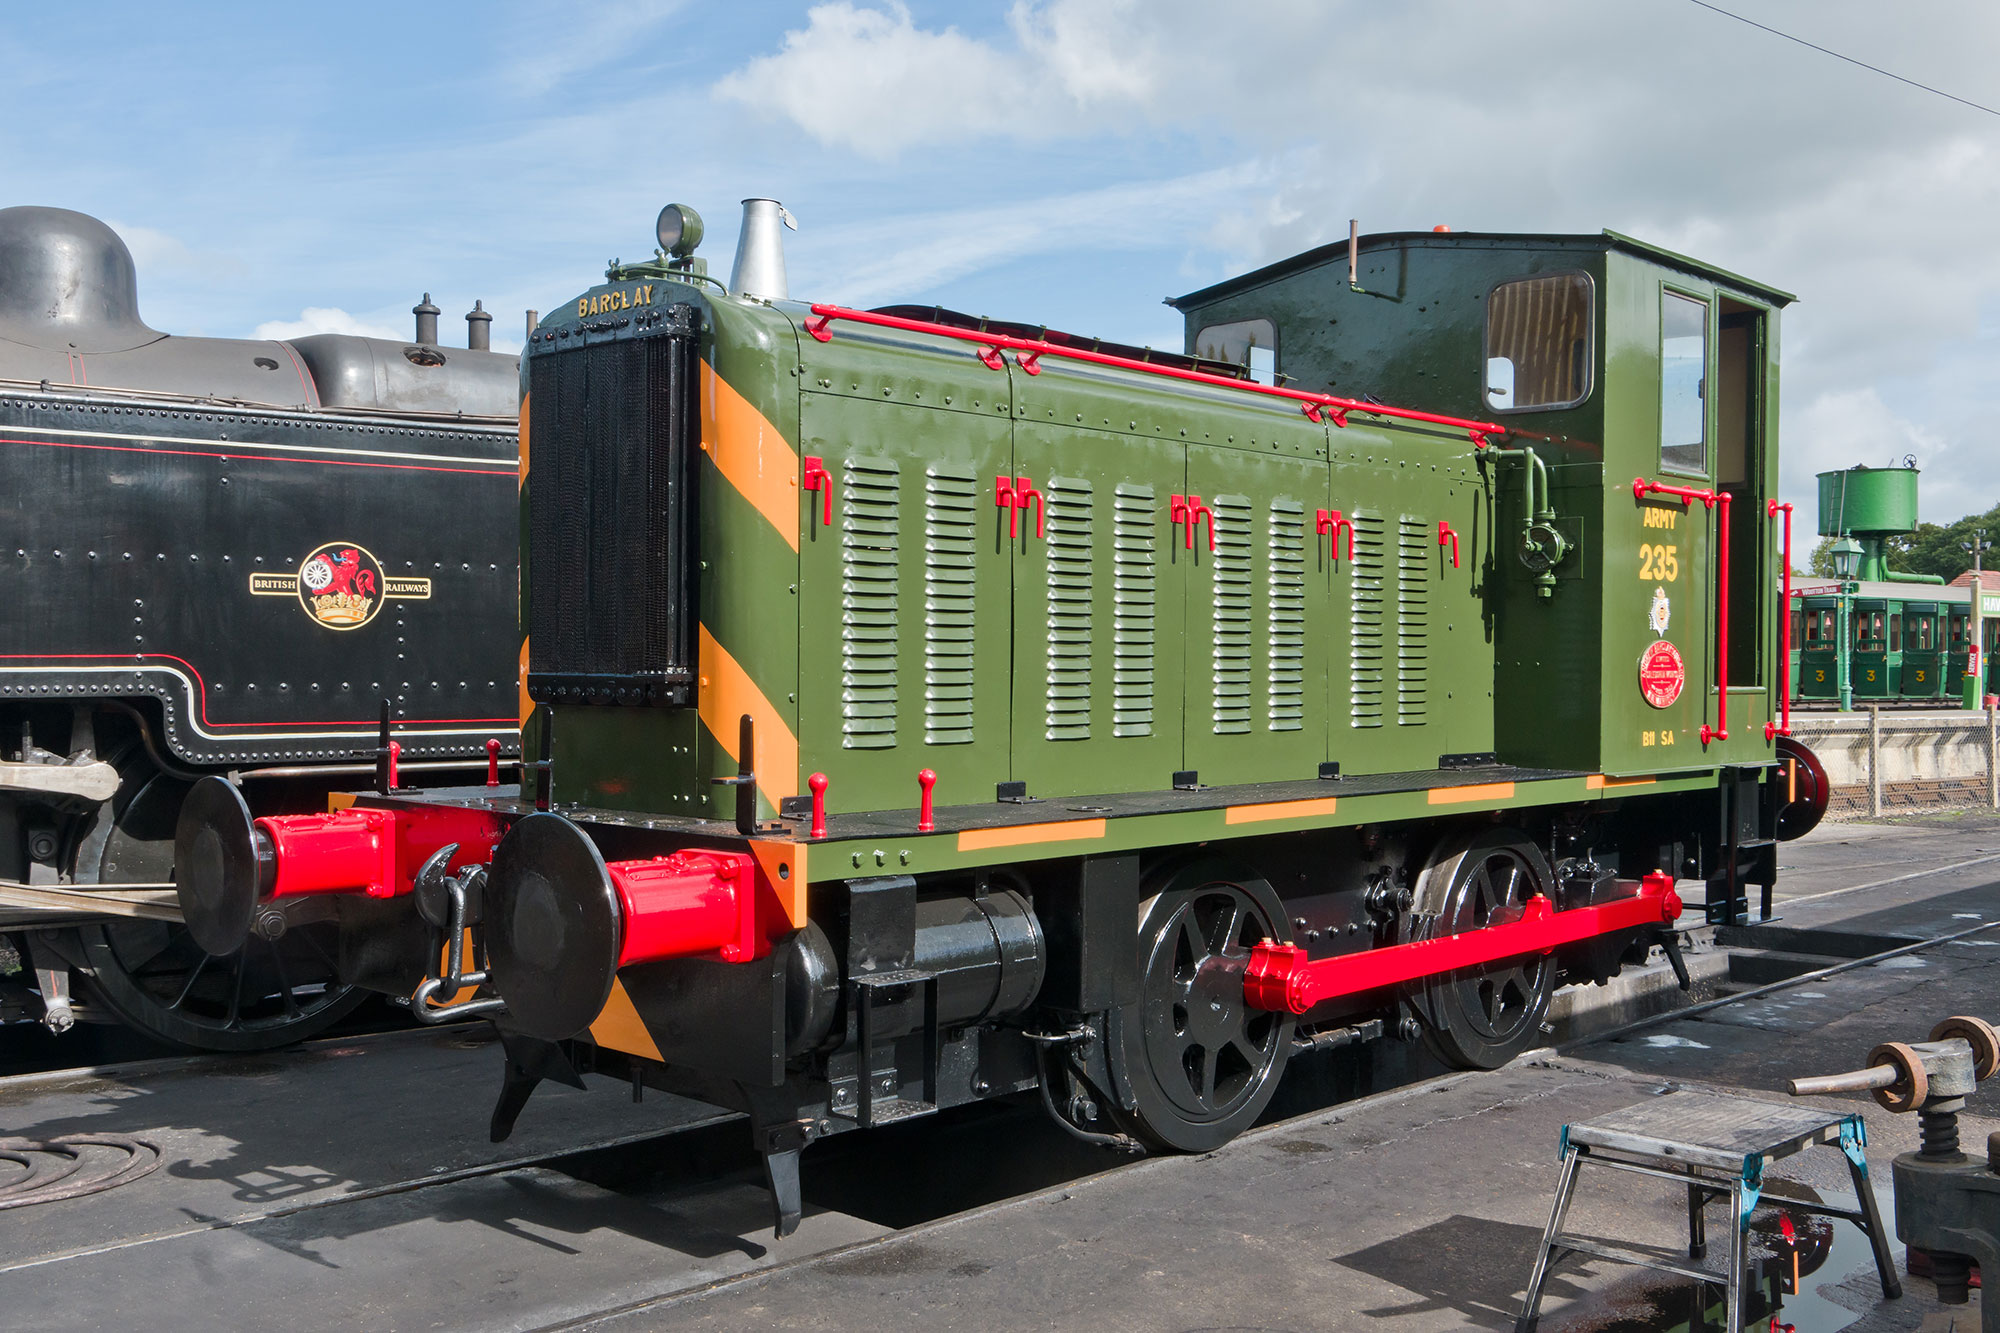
column 342, row 608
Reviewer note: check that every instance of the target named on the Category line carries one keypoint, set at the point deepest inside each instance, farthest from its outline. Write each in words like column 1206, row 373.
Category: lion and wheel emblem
column 341, row 585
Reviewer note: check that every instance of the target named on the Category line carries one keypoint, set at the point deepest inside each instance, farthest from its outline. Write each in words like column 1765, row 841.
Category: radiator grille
column 1366, row 677
column 1071, row 511
column 950, row 534
column 1235, row 553
column 1134, row 610
column 869, row 554
column 1415, row 542
column 1285, row 616
column 613, row 438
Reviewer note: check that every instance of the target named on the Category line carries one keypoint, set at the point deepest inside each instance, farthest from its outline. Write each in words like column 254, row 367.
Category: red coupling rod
column 817, row 785
column 1029, row 351
column 492, row 763
column 1280, row 977
column 1445, row 534
column 813, row 476
column 1784, row 727
column 926, row 779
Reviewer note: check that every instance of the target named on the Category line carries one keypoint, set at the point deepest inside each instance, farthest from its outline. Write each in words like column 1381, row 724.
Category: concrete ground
column 350, row 1184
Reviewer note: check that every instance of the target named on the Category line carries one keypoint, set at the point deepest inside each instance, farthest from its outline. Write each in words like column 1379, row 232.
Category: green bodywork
column 1103, row 653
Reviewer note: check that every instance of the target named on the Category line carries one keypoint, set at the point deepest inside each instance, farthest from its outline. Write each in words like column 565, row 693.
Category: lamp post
column 1974, row 685
column 1846, row 555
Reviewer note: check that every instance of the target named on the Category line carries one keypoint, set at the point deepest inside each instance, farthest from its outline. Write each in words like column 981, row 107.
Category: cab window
column 1683, row 384
column 1250, row 343
column 1538, row 343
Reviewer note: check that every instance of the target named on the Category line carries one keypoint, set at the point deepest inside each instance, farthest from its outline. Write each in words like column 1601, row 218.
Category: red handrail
column 1641, row 488
column 1784, row 728
column 1029, row 350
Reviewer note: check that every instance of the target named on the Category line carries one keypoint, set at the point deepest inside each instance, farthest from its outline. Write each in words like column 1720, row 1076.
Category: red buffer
column 1281, row 978
column 370, row 851
column 692, row 903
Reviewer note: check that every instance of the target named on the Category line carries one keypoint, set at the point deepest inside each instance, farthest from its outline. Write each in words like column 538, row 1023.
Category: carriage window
column 1251, row 343
column 1801, row 625
column 1895, row 634
column 1958, row 631
column 1921, row 625
column 1683, row 386
column 1538, row 343
column 1992, row 635
column 1826, row 625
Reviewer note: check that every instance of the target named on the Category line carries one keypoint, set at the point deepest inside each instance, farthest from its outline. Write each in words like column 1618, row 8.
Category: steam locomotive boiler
column 930, row 708
column 223, row 556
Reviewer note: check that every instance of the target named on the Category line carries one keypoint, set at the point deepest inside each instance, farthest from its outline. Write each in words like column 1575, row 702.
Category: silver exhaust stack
column 760, row 251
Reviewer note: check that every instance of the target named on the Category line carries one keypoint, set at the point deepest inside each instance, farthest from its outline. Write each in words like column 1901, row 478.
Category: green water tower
column 1871, row 504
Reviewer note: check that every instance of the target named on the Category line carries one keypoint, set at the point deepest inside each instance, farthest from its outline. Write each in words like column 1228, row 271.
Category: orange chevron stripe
column 524, row 440
column 620, row 1028
column 726, row 693
column 750, row 454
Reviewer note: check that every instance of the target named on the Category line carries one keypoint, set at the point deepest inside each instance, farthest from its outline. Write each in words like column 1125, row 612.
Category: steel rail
column 1757, row 992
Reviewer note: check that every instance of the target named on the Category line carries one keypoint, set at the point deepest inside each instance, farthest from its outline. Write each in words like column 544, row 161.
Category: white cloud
column 323, row 319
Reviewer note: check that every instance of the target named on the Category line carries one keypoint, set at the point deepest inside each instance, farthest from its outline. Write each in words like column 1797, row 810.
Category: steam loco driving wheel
column 152, row 974
column 1482, row 1017
column 1198, row 1061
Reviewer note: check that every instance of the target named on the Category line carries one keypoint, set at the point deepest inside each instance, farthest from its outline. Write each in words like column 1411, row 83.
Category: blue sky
column 1066, row 161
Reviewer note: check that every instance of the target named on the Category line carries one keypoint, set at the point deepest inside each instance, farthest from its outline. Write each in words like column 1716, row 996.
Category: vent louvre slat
column 870, row 616
column 1135, row 610
column 1071, row 506
column 950, row 604
column 1414, row 542
column 1235, row 558
column 1367, row 676
column 1285, row 616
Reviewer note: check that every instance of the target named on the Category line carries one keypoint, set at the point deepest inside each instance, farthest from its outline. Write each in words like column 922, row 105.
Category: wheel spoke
column 194, row 975
column 1208, row 1076
column 284, row 979
column 236, row 990
column 1232, row 920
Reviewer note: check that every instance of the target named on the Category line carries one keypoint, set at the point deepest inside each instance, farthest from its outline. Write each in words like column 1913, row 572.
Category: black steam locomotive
column 224, row 556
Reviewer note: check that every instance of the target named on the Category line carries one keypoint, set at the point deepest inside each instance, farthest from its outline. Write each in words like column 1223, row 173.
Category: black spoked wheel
column 1199, row 1062
column 154, row 977
column 1482, row 1017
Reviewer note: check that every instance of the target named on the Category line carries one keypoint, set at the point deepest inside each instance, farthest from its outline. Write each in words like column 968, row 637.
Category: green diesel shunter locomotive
column 933, row 709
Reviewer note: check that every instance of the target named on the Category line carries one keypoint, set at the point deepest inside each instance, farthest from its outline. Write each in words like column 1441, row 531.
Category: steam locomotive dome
column 69, row 315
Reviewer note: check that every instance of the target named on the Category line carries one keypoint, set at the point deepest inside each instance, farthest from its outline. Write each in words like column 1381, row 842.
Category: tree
column 1821, row 560
column 1935, row 548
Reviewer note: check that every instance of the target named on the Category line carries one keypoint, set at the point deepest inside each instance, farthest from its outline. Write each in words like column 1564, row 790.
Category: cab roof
column 1496, row 240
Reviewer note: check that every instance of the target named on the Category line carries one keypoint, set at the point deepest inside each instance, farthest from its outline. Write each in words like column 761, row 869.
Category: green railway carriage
column 932, row 709
column 1901, row 647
